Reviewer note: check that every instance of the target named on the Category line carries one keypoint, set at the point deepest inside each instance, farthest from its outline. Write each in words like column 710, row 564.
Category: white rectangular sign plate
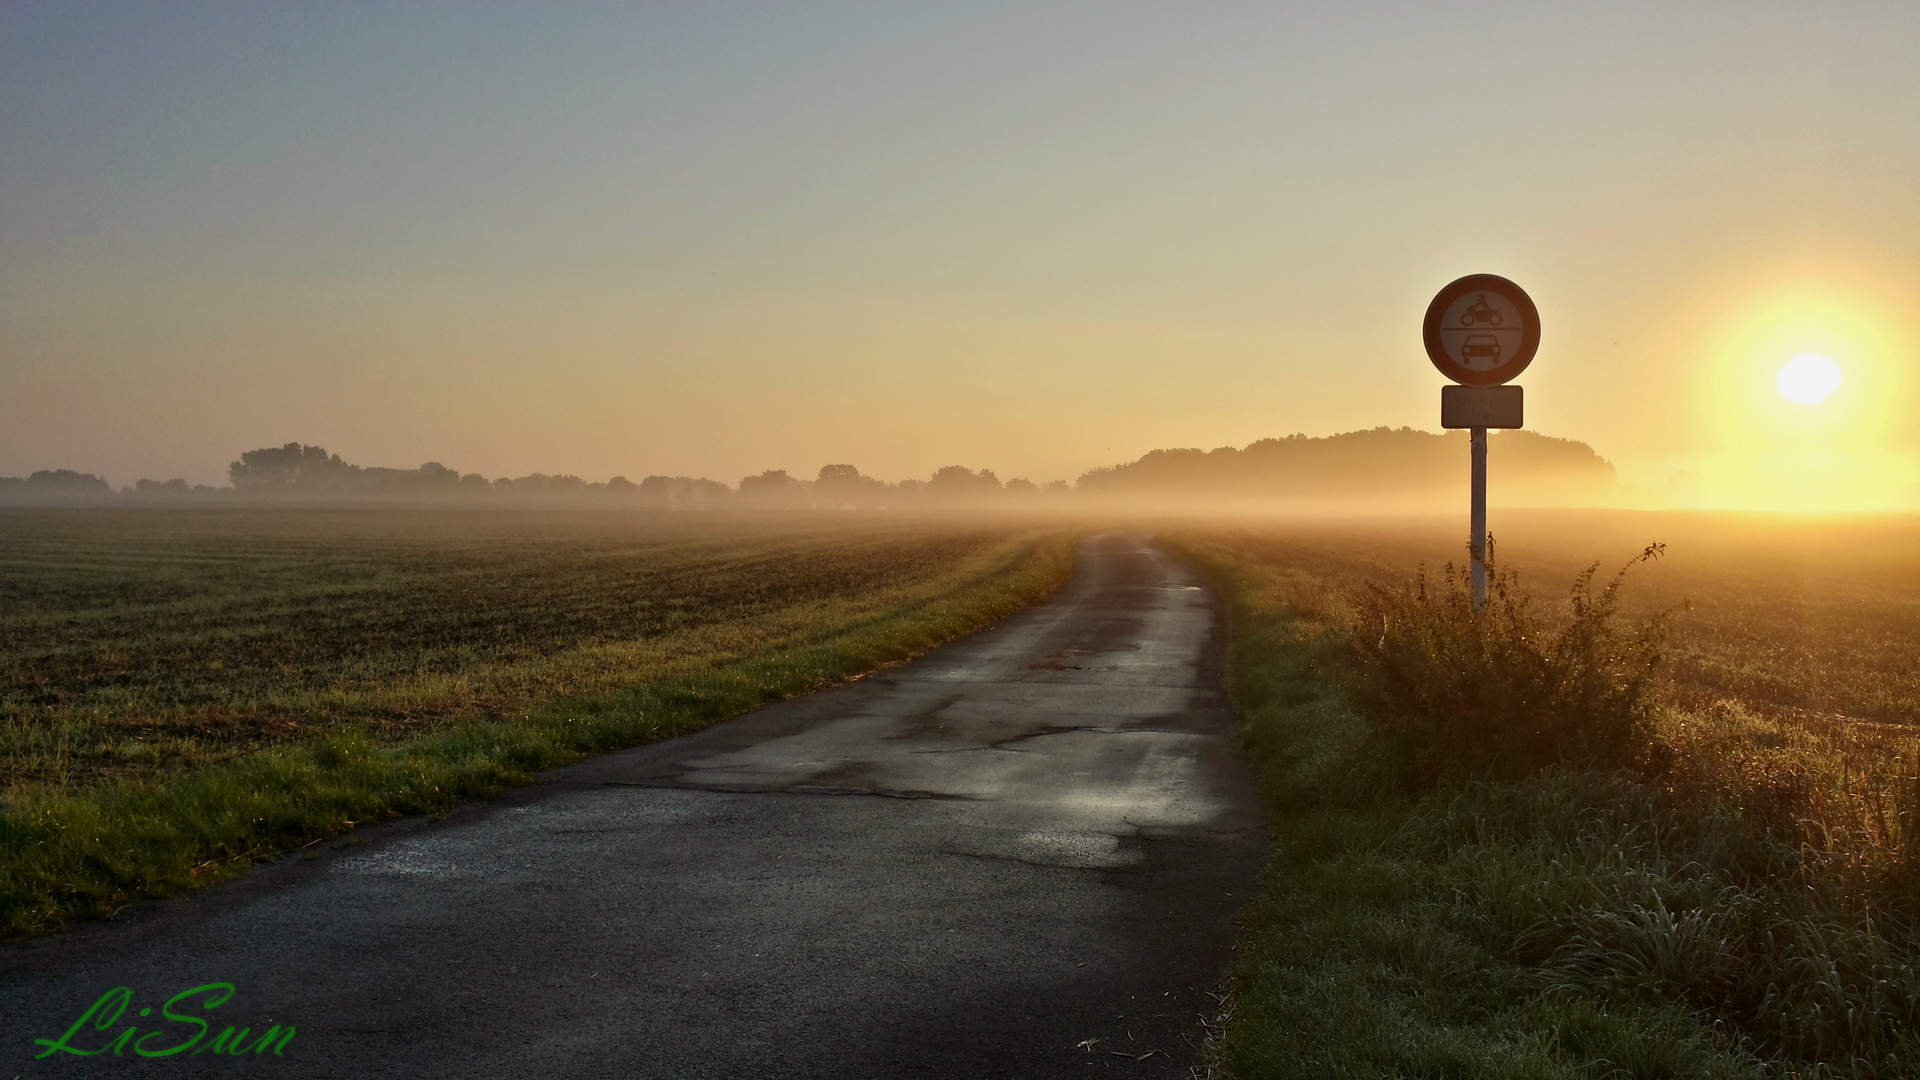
column 1480, row 406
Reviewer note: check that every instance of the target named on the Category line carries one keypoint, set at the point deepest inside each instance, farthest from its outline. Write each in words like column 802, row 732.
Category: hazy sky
column 710, row 239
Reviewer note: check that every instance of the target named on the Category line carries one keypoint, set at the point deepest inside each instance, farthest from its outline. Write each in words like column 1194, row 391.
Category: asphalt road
column 1018, row 856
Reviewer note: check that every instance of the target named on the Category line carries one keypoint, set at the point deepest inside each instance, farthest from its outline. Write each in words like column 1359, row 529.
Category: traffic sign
column 1481, row 330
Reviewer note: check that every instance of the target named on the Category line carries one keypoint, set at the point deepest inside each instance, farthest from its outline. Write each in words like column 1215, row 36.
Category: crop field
column 203, row 687
column 132, row 641
column 1790, row 617
column 1730, row 887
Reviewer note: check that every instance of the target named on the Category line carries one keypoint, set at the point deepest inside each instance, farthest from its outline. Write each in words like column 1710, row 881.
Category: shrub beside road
column 1720, row 885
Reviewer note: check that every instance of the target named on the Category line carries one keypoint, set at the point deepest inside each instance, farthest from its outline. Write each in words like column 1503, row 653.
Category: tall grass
column 1457, row 691
column 1718, row 892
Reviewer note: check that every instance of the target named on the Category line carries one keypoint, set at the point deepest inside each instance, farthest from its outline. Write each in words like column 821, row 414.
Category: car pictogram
column 1480, row 346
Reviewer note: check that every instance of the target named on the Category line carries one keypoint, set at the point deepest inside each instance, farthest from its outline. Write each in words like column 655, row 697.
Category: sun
column 1809, row 378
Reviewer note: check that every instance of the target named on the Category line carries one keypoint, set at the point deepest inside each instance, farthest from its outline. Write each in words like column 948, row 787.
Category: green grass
column 78, row 850
column 1738, row 900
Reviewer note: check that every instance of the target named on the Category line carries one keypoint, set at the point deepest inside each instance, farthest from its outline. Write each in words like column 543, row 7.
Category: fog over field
column 1379, row 471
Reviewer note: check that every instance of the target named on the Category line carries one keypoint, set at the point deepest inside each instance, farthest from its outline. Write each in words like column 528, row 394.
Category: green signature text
column 181, row 1028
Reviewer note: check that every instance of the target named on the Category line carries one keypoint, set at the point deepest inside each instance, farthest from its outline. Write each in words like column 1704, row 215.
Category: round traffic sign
column 1482, row 330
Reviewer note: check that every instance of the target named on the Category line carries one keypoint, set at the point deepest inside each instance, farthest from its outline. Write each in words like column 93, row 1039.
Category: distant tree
column 290, row 466
column 956, row 483
column 771, row 480
column 434, row 474
column 708, row 494
column 656, row 493
column 1022, row 488
column 1400, row 468
column 52, row 487
column 952, row 476
column 69, row 481
column 837, row 487
column 773, row 489
column 296, row 470
column 542, row 484
column 682, row 493
column 841, row 487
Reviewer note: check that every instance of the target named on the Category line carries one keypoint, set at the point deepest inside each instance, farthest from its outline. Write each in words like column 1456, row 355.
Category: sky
column 711, row 239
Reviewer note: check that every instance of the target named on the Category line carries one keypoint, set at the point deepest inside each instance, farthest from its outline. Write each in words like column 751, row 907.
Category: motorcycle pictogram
column 1480, row 311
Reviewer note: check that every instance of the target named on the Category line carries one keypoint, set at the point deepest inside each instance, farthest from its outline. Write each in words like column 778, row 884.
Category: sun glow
column 1808, row 379
column 1807, row 434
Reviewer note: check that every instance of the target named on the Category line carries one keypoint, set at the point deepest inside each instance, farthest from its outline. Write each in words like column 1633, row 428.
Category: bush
column 1742, row 902
column 1497, row 693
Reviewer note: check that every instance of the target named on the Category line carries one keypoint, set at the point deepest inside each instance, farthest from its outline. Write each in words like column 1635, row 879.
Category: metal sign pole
column 1481, row 331
column 1478, row 522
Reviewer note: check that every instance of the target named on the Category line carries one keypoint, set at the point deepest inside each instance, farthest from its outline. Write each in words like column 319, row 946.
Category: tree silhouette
column 290, row 466
column 956, row 483
column 773, row 489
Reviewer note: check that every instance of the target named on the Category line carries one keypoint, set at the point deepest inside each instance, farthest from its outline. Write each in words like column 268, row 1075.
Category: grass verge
column 1740, row 906
column 71, row 856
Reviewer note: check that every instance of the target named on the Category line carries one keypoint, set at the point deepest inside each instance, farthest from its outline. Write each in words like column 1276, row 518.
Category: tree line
column 297, row 472
column 1380, row 468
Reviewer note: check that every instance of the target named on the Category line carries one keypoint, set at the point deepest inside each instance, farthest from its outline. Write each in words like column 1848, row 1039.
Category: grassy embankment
column 182, row 693
column 1729, row 887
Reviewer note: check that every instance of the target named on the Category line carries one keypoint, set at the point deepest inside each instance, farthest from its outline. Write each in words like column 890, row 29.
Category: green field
column 1738, row 894
column 182, row 691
